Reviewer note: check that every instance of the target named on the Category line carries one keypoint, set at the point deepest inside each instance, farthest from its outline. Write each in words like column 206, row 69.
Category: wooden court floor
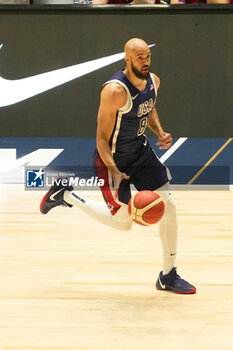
column 69, row 283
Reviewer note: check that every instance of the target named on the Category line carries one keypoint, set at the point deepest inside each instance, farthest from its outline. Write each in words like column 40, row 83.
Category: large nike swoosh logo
column 163, row 286
column 13, row 91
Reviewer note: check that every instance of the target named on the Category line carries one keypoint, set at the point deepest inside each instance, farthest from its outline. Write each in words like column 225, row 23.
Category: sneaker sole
column 43, row 202
column 192, row 291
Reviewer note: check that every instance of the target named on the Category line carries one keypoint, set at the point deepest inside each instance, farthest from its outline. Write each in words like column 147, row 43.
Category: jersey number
column 142, row 126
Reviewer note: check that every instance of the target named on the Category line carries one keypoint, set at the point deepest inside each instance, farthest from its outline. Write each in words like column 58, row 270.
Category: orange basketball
column 146, row 208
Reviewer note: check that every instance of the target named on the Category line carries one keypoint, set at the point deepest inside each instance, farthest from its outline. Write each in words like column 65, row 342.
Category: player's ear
column 126, row 58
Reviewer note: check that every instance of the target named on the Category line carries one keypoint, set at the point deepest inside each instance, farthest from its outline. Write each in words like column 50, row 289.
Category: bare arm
column 165, row 139
column 113, row 97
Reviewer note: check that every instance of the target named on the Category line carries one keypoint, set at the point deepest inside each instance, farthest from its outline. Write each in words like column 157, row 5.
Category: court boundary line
column 210, row 161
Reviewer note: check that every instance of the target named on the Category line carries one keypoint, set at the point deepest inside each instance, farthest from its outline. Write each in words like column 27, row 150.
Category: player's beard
column 140, row 74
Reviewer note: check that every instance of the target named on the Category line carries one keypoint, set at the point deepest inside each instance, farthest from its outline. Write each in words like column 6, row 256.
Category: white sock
column 168, row 230
column 99, row 211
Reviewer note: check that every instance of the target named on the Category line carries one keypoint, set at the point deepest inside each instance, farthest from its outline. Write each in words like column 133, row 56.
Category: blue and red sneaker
column 174, row 283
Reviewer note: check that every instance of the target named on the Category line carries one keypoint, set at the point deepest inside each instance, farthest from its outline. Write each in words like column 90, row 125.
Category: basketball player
column 127, row 107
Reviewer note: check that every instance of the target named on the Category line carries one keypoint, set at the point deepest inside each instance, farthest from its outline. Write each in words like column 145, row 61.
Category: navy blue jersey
column 131, row 120
column 130, row 149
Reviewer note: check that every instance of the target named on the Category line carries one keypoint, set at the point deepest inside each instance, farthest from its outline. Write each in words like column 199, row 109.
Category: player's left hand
column 165, row 141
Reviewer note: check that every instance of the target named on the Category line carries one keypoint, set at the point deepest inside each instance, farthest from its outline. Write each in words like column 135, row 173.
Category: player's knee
column 170, row 209
column 169, row 202
column 122, row 220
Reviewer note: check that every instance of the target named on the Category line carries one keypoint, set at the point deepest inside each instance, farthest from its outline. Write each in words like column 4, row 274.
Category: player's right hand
column 117, row 178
